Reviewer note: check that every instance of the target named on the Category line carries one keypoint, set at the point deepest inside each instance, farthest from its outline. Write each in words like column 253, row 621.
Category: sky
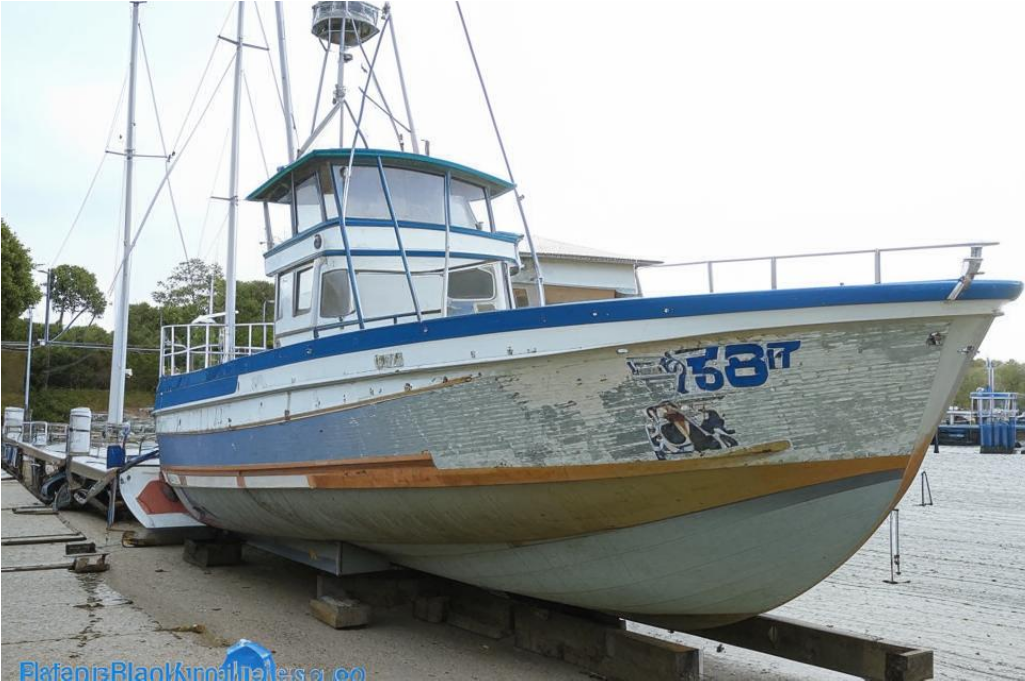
column 677, row 132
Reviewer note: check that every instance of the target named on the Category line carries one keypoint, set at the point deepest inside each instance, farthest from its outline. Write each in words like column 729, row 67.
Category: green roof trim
column 394, row 159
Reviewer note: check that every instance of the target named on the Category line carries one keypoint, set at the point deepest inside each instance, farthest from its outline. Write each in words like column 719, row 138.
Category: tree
column 186, row 292
column 18, row 291
column 74, row 290
column 1009, row 375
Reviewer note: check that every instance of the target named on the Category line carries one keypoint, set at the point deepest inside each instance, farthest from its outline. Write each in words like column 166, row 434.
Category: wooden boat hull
column 712, row 467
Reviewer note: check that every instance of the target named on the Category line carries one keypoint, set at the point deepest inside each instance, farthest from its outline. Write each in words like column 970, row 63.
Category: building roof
column 561, row 250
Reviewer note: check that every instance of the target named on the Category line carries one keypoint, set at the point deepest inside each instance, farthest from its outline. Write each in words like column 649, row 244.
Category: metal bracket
column 972, row 266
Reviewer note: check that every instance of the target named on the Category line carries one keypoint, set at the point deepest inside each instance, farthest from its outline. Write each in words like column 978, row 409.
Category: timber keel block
column 212, row 553
column 845, row 652
column 340, row 613
column 602, row 646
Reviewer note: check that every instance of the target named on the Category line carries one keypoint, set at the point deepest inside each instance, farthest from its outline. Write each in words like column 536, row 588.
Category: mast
column 229, row 270
column 286, row 87
column 402, row 81
column 119, row 357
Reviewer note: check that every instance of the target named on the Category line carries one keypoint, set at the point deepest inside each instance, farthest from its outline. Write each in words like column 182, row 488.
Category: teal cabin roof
column 279, row 185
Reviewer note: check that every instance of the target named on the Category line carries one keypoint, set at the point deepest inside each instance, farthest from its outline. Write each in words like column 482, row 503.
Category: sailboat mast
column 229, row 270
column 286, row 86
column 119, row 357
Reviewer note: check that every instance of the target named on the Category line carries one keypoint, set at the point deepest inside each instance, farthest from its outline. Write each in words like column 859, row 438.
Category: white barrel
column 14, row 419
column 79, row 427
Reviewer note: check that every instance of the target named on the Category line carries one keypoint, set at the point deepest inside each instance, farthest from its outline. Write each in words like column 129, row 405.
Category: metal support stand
column 926, row 490
column 895, row 549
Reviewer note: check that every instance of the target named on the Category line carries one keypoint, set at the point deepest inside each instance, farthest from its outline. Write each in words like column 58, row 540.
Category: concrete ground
column 965, row 599
column 140, row 609
column 962, row 592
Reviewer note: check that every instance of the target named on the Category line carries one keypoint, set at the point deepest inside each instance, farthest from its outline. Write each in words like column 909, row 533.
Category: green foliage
column 18, row 291
column 63, row 367
column 63, row 377
column 73, row 290
column 185, row 294
column 1009, row 375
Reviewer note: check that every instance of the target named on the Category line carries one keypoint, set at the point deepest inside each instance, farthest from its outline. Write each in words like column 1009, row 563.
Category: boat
column 993, row 423
column 702, row 457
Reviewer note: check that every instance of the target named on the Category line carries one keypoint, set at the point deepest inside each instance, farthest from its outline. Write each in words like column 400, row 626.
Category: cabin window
column 284, row 300
column 303, row 290
column 467, row 205
column 327, row 190
column 417, row 196
column 335, row 296
column 366, row 197
column 473, row 284
column 308, row 211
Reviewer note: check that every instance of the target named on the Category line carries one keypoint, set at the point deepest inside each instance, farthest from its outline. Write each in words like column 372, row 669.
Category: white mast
column 229, row 270
column 286, row 87
column 119, row 356
column 402, row 81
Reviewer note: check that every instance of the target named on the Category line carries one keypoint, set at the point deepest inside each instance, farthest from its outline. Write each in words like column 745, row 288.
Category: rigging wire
column 273, row 72
column 213, row 188
column 170, row 168
column 256, row 128
column 163, row 149
column 202, row 79
column 96, row 175
column 505, row 157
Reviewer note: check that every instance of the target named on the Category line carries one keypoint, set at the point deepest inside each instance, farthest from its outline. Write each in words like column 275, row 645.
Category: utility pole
column 28, row 366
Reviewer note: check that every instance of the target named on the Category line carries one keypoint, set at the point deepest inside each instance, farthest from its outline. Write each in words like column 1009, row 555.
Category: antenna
column 345, row 24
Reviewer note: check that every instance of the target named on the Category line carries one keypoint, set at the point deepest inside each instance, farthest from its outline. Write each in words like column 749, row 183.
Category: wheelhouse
column 381, row 237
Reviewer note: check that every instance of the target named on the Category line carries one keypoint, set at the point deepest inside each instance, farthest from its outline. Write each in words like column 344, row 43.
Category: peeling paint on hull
column 866, row 392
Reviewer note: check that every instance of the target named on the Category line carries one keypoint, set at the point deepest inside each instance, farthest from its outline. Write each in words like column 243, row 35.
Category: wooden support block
column 433, row 609
column 90, row 562
column 549, row 632
column 212, row 553
column 848, row 653
column 631, row 656
column 85, row 547
column 385, row 589
column 909, row 665
column 340, row 613
column 480, row 611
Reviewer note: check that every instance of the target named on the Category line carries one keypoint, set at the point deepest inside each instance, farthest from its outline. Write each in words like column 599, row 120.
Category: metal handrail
column 178, row 353
column 970, row 268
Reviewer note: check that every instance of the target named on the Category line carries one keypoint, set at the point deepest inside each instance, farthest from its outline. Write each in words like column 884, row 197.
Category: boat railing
column 43, row 433
column 190, row 347
column 971, row 265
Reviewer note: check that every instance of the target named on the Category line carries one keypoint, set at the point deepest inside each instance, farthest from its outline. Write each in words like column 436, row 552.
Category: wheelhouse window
column 303, row 291
column 283, row 305
column 327, row 190
column 467, row 205
column 335, row 294
column 308, row 211
column 471, row 291
column 416, row 196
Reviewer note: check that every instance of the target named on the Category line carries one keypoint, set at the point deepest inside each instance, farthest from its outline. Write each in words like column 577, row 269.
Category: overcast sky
column 674, row 132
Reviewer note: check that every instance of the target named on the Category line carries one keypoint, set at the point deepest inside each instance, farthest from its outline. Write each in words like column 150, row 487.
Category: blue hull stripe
column 221, row 380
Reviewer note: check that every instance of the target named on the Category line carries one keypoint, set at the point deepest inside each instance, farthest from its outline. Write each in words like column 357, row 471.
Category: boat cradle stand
column 601, row 644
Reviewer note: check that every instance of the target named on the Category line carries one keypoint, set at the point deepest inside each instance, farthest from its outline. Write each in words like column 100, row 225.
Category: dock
column 961, row 594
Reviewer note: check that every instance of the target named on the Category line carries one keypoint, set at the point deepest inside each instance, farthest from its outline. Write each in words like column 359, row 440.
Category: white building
column 574, row 273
